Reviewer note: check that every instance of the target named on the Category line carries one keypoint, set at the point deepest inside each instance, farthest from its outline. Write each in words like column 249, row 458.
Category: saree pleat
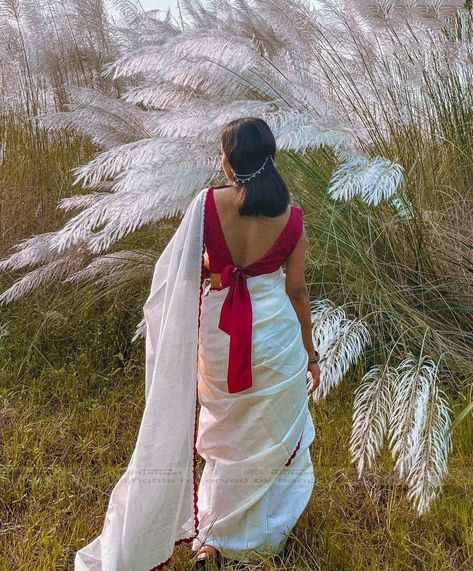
column 258, row 476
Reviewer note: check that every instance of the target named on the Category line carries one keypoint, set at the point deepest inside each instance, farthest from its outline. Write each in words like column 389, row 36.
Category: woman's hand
column 314, row 370
column 206, row 265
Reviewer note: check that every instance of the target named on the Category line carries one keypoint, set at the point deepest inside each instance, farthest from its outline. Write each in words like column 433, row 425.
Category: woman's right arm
column 298, row 293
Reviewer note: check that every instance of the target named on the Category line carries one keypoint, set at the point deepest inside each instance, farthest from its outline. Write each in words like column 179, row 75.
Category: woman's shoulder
column 223, row 189
column 297, row 208
column 298, row 220
column 225, row 194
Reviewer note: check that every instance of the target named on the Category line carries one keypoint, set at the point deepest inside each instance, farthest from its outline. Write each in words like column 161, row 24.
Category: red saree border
column 291, row 457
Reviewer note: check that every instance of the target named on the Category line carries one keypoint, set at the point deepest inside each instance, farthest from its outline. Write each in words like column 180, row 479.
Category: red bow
column 236, row 319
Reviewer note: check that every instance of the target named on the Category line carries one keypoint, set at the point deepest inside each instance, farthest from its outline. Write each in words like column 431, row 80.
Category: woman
column 249, row 224
column 241, row 348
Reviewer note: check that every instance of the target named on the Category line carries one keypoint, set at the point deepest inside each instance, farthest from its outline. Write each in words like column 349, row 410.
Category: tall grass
column 35, row 175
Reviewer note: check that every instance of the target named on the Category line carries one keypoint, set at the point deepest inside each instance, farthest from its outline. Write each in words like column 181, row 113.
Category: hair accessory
column 247, row 177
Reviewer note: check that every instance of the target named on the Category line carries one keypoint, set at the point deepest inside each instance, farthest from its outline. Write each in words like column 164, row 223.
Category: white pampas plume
column 429, row 463
column 419, row 433
column 371, row 410
column 140, row 330
column 51, row 272
column 372, row 179
column 339, row 341
column 114, row 269
column 405, row 208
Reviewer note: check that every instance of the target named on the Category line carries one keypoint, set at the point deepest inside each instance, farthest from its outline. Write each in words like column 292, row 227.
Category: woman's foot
column 206, row 554
column 207, row 550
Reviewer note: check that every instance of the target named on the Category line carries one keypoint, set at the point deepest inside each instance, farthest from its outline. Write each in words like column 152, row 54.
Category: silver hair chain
column 247, row 177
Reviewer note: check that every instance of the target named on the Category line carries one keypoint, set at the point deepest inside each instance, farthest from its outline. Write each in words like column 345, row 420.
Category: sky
column 165, row 4
column 158, row 4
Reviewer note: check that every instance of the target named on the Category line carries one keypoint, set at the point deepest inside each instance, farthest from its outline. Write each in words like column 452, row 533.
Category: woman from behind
column 255, row 349
column 225, row 377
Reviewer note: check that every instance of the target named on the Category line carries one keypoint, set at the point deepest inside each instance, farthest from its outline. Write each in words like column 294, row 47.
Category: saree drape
column 258, row 474
column 153, row 506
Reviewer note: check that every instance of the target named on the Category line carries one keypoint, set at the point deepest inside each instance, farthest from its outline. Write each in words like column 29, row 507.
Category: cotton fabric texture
column 258, row 476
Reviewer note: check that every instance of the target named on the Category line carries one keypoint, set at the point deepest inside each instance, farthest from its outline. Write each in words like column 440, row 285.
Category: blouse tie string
column 236, row 319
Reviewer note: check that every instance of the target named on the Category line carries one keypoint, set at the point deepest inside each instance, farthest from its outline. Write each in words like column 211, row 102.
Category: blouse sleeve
column 299, row 226
column 296, row 231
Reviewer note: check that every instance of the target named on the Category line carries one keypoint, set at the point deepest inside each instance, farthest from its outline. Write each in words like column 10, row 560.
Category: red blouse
column 236, row 313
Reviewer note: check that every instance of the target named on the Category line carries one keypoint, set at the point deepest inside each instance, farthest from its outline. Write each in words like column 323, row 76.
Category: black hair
column 247, row 142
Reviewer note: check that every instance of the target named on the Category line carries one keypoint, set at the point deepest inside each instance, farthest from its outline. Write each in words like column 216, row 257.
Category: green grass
column 69, row 427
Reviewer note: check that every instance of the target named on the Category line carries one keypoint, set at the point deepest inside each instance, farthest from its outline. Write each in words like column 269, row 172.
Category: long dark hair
column 247, row 142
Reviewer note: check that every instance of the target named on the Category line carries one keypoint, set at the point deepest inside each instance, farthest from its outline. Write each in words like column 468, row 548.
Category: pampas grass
column 102, row 148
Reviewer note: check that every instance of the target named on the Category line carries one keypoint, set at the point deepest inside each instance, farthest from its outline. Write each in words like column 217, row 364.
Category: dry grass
column 68, row 430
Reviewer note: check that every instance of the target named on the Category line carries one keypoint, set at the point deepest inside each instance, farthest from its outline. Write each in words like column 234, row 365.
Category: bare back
column 248, row 238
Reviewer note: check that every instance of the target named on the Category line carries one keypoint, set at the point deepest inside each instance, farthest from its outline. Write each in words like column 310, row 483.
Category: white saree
column 258, row 475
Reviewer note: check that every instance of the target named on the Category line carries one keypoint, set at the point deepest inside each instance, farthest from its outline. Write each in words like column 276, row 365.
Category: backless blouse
column 236, row 314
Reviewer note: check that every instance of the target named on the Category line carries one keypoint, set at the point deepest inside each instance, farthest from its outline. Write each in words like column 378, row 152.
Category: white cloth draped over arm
column 153, row 506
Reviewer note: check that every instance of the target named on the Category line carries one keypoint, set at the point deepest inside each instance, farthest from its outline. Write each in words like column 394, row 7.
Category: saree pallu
column 258, row 476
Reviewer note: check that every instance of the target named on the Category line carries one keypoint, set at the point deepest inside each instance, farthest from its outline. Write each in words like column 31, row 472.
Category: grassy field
column 72, row 384
column 72, row 396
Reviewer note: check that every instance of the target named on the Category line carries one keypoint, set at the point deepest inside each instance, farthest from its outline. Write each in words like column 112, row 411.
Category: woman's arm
column 206, row 265
column 297, row 291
